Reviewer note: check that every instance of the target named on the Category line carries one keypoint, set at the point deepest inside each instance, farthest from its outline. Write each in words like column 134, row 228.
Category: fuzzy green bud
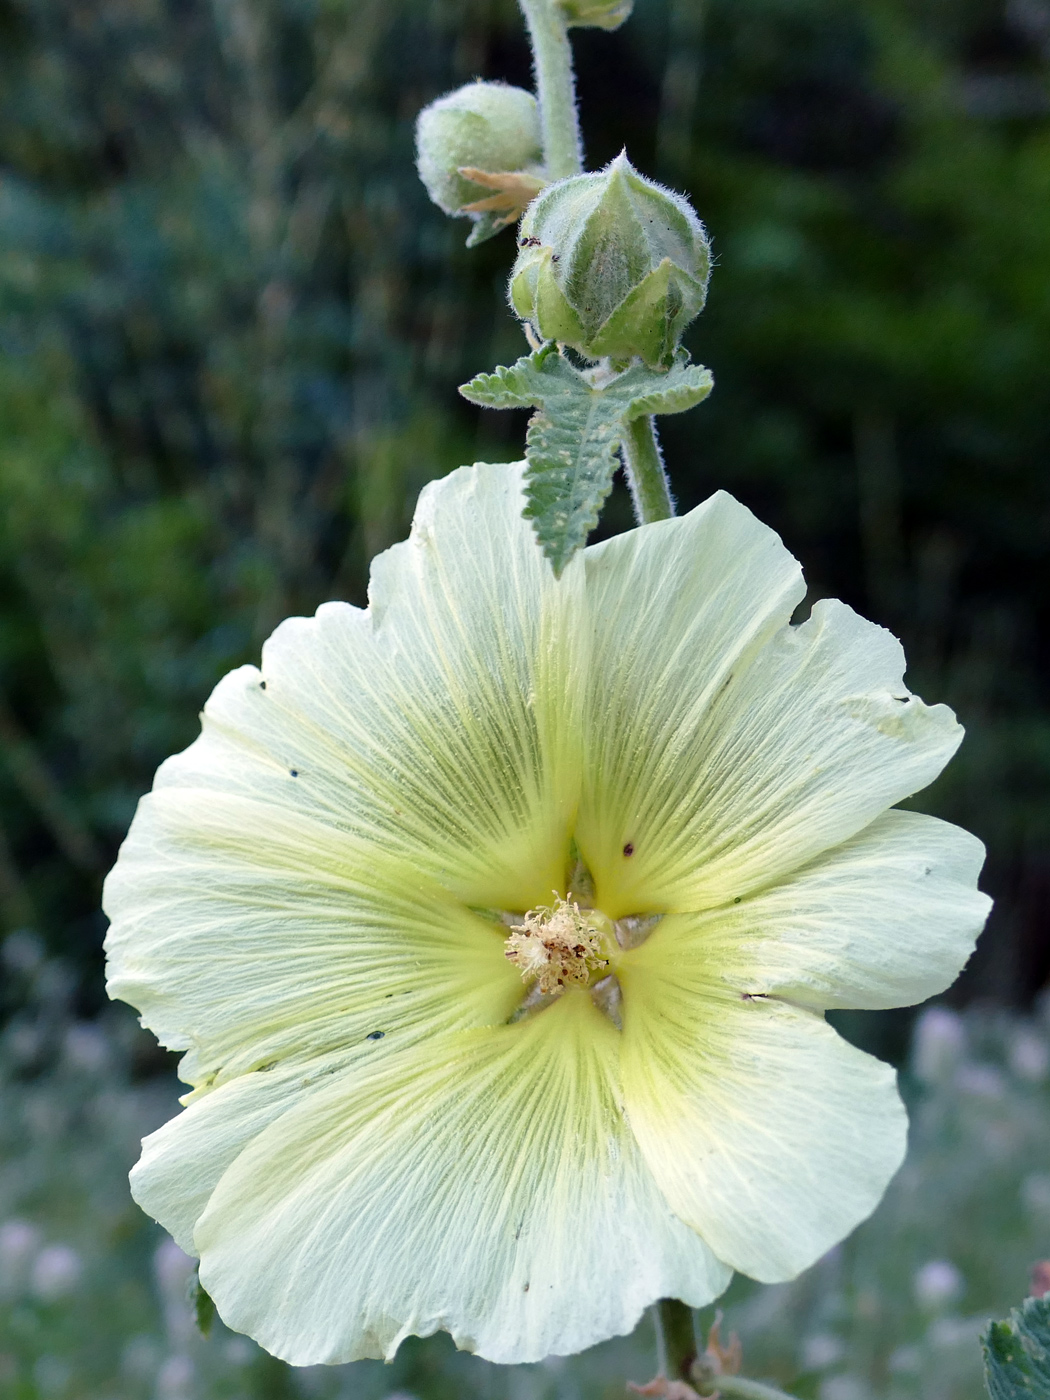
column 612, row 265
column 595, row 14
column 484, row 128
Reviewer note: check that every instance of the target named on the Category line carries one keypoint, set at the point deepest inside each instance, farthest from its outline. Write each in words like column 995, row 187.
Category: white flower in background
column 937, row 1284
column 19, row 1243
column 429, row 1093
column 938, row 1045
column 1029, row 1056
column 55, row 1272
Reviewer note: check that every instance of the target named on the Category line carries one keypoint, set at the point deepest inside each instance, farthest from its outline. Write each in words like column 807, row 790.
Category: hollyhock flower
column 497, row 923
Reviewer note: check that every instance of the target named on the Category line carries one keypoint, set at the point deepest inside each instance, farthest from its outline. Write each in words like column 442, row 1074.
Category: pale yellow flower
column 670, row 806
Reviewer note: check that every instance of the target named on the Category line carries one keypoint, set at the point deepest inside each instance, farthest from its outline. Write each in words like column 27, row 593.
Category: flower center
column 560, row 945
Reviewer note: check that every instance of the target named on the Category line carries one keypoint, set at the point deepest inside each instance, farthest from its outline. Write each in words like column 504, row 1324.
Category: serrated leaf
column 511, row 386
column 572, row 441
column 1017, row 1353
column 681, row 388
column 571, row 450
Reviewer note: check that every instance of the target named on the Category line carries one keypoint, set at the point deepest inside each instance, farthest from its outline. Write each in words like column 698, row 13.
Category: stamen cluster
column 555, row 946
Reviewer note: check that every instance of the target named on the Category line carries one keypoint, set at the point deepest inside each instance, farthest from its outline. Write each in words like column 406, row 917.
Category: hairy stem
column 650, row 490
column 742, row 1389
column 675, row 1347
column 555, row 87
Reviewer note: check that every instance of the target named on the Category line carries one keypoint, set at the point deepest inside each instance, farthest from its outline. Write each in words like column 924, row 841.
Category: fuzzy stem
column 555, row 87
column 650, row 490
column 674, row 1338
column 740, row 1388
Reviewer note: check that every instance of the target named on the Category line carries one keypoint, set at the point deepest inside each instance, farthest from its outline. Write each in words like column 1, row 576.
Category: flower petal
column 727, row 747
column 441, row 724
column 486, row 1184
column 250, row 934
column 182, row 1161
column 297, row 878
column 676, row 608
column 769, row 1135
column 888, row 919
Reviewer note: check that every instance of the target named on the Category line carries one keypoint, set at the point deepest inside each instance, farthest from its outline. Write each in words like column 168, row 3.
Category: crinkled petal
column 726, row 747
column 249, row 934
column 888, row 919
column 302, row 875
column 676, row 609
column 768, row 1133
column 441, row 725
column 182, row 1162
column 486, row 1184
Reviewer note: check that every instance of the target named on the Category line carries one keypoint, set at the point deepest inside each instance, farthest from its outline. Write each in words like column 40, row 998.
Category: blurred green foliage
column 231, row 327
column 96, row 1302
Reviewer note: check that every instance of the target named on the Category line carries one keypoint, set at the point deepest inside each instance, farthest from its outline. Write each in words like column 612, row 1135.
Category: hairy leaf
column 1017, row 1353
column 573, row 438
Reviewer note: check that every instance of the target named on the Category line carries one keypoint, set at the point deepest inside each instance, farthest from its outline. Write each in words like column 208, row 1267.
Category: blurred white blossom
column 939, row 1044
column 937, row 1284
column 55, row 1272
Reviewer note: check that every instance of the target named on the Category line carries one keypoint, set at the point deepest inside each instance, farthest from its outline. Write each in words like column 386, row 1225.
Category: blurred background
column 231, row 331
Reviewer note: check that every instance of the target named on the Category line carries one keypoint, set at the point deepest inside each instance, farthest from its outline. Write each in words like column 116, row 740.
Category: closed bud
column 595, row 14
column 479, row 151
column 612, row 265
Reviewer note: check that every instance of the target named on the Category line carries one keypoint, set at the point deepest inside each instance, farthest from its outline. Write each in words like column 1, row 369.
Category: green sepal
column 485, row 226
column 204, row 1310
column 595, row 14
column 573, row 439
column 555, row 317
column 1017, row 1353
column 612, row 265
column 650, row 319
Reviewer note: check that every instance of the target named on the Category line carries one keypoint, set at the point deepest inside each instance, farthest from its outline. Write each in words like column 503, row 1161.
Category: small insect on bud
column 612, row 265
column 595, row 14
column 479, row 152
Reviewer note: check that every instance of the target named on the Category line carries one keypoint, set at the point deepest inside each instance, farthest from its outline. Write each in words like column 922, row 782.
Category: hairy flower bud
column 611, row 264
column 596, row 14
column 482, row 130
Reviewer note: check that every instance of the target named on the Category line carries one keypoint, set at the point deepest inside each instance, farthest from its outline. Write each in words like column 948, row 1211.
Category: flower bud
column 595, row 14
column 612, row 265
column 484, row 128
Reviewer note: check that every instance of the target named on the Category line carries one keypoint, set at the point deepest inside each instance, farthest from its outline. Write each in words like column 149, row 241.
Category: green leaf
column 1017, row 1353
column 573, row 438
column 681, row 388
column 510, row 386
column 571, row 453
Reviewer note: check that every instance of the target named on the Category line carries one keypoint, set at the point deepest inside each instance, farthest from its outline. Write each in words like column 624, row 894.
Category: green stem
column 660, row 1338
column 743, row 1389
column 555, row 87
column 674, row 1338
column 646, row 477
